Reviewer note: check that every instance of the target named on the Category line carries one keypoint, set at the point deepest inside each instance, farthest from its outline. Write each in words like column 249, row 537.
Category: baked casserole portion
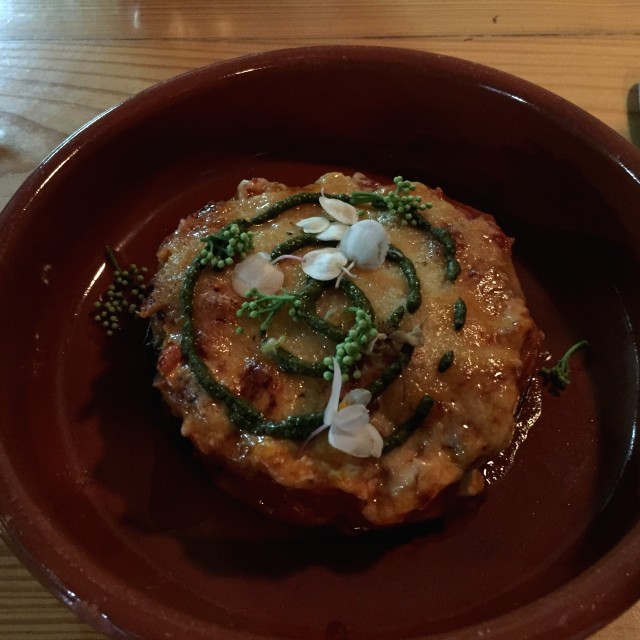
column 346, row 353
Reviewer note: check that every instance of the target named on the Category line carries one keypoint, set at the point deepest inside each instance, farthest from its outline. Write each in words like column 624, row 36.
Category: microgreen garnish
column 349, row 352
column 400, row 203
column 123, row 296
column 221, row 248
column 263, row 305
column 557, row 377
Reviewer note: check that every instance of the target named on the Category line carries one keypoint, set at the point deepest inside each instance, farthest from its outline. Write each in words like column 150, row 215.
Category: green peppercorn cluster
column 349, row 352
column 399, row 203
column 123, row 297
column 262, row 305
column 221, row 248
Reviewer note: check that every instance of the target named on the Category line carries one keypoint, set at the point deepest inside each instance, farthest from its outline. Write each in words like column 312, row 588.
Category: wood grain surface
column 62, row 62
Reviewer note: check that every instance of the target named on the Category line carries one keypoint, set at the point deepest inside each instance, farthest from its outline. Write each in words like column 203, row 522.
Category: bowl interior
column 105, row 502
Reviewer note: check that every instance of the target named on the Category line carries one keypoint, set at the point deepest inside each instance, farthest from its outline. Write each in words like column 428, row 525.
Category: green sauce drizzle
column 452, row 266
column 459, row 314
column 307, row 312
column 414, row 300
column 290, row 363
column 404, row 431
column 305, row 197
column 293, row 244
column 445, row 361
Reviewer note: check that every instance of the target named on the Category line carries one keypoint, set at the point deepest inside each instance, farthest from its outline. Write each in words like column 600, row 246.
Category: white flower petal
column 323, row 264
column 366, row 243
column 316, row 224
column 346, row 273
column 257, row 272
column 339, row 210
column 349, row 428
column 334, row 231
column 334, row 397
column 350, row 419
column 352, row 433
column 357, row 396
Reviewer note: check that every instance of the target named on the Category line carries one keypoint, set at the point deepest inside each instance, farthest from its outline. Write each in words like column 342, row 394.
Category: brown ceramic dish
column 105, row 504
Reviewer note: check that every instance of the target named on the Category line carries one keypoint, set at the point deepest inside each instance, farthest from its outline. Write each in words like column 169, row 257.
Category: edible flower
column 315, row 224
column 257, row 271
column 364, row 245
column 348, row 421
column 344, row 213
column 333, row 232
column 325, row 264
column 339, row 209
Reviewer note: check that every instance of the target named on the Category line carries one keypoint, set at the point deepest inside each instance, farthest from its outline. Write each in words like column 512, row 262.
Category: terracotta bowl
column 105, row 503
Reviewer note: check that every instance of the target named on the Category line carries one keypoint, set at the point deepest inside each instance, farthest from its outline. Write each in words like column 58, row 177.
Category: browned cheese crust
column 474, row 400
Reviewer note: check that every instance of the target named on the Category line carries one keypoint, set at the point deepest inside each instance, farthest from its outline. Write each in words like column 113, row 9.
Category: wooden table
column 64, row 62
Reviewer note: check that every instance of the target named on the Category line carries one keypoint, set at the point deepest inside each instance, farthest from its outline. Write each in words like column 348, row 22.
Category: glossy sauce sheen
column 475, row 398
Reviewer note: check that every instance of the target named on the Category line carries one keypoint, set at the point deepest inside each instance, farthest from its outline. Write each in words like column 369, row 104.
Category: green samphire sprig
column 123, row 296
column 401, row 202
column 222, row 248
column 557, row 376
column 349, row 352
column 261, row 305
